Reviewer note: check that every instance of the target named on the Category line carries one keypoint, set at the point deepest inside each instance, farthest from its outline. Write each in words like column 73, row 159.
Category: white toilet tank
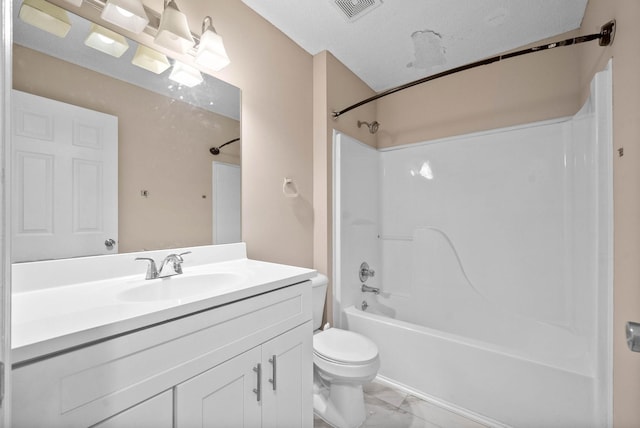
column 318, row 296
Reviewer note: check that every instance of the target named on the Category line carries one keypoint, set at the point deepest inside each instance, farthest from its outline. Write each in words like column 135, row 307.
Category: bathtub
column 476, row 378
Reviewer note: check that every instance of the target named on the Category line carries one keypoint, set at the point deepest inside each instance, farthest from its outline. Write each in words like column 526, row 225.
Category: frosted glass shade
column 211, row 52
column 106, row 41
column 150, row 60
column 76, row 3
column 45, row 16
column 174, row 33
column 185, row 75
column 126, row 14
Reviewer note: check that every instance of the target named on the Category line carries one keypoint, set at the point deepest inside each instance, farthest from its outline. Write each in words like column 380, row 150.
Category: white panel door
column 65, row 180
column 222, row 397
column 226, row 203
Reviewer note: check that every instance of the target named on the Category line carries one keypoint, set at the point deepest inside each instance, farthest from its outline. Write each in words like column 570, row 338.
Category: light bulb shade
column 45, row 16
column 174, row 33
column 211, row 52
column 106, row 41
column 150, row 60
column 126, row 14
column 185, row 75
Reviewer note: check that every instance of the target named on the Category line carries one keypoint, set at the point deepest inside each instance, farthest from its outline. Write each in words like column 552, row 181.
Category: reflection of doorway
column 226, row 203
column 65, row 180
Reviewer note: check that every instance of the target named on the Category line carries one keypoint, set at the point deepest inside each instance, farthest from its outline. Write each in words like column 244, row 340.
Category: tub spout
column 366, row 289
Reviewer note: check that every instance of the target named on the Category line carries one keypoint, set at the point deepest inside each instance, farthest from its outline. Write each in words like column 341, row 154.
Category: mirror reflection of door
column 226, row 203
column 65, row 180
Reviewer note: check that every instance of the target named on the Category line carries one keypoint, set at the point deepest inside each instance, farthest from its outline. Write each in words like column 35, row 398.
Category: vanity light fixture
column 76, row 3
column 150, row 59
column 106, row 41
column 211, row 52
column 173, row 32
column 45, row 16
column 126, row 14
column 185, row 74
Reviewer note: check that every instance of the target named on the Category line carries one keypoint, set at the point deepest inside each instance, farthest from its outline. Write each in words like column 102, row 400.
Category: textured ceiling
column 403, row 40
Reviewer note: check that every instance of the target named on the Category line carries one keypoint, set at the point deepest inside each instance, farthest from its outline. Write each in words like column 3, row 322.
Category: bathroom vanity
column 124, row 351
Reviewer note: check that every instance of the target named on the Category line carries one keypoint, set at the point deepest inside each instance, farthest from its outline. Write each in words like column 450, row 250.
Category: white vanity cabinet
column 263, row 387
column 192, row 371
column 156, row 412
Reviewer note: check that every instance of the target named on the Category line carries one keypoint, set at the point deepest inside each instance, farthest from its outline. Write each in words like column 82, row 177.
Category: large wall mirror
column 165, row 175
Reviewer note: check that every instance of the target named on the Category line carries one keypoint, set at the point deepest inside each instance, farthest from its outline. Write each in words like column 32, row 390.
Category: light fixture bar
column 154, row 18
column 174, row 33
column 45, row 16
column 185, row 74
column 150, row 60
column 127, row 14
column 106, row 41
column 211, row 53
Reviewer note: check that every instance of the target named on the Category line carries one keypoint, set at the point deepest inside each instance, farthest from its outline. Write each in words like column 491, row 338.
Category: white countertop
column 47, row 320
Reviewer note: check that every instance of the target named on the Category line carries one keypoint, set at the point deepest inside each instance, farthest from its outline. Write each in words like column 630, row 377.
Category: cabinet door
column 156, row 412
column 288, row 370
column 222, row 397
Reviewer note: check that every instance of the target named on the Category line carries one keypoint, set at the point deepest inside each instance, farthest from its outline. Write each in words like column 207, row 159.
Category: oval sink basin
column 181, row 286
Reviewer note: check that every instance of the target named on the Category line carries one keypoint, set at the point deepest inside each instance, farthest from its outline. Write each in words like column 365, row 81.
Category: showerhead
column 373, row 126
column 216, row 150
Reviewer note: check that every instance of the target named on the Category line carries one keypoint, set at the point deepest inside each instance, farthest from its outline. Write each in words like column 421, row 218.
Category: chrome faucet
column 152, row 271
column 365, row 272
column 172, row 265
column 366, row 289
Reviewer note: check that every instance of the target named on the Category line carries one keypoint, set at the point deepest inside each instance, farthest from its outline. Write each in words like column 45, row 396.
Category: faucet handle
column 152, row 270
column 365, row 272
column 183, row 254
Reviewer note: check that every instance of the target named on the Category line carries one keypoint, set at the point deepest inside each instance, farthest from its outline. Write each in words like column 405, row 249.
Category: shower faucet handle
column 365, row 272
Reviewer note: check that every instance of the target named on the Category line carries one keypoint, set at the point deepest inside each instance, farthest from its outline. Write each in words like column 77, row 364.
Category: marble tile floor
column 390, row 408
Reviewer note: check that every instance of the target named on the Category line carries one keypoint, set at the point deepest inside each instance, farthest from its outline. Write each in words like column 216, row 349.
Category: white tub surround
column 228, row 342
column 493, row 256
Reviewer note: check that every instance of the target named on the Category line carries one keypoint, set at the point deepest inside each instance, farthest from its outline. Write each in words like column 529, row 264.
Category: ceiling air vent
column 355, row 9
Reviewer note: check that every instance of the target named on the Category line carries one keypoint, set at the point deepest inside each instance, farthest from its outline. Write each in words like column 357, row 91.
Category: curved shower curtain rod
column 216, row 150
column 605, row 37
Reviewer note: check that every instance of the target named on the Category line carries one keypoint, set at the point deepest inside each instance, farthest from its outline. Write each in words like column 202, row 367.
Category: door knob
column 109, row 243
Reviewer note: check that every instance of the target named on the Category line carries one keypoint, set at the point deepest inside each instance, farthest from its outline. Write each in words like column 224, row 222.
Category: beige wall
column 163, row 148
column 626, row 186
column 519, row 90
column 276, row 79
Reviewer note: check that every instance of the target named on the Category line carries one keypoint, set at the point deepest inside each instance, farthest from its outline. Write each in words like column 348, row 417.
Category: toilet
column 343, row 361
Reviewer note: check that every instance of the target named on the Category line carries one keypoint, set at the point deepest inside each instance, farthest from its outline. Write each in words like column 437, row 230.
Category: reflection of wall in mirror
column 163, row 149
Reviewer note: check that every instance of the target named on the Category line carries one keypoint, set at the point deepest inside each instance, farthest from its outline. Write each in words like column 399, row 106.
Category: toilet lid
column 344, row 346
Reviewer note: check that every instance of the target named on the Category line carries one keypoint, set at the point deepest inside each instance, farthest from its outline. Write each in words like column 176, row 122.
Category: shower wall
column 500, row 241
column 466, row 227
column 357, row 222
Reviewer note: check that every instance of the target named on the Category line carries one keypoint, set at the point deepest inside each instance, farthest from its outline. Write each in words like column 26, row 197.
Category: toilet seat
column 344, row 347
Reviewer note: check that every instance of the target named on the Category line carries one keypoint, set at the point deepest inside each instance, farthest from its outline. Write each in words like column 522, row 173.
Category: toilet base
column 339, row 404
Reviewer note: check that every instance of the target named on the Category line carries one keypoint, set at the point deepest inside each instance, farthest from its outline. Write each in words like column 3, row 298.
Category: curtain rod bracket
column 604, row 37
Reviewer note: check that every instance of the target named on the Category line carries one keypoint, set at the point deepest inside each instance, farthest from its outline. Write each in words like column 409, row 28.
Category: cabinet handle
column 258, row 390
column 272, row 360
